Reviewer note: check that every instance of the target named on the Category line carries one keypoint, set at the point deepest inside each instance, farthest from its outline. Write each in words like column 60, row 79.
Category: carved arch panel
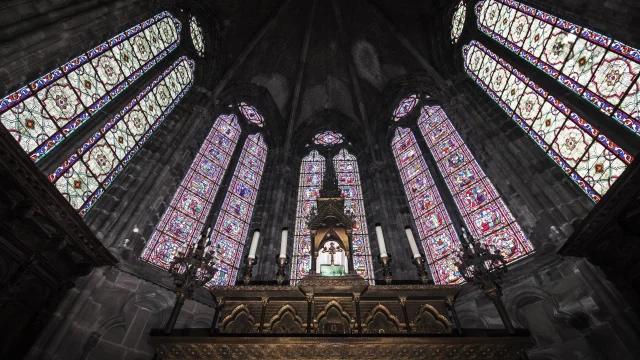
column 239, row 321
column 430, row 321
column 381, row 321
column 287, row 321
column 333, row 319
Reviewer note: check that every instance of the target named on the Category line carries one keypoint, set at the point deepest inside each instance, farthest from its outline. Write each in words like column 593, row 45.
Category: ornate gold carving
column 309, row 297
column 381, row 321
column 333, row 319
column 356, row 297
column 286, row 321
column 394, row 349
column 239, row 321
column 402, row 300
column 430, row 321
column 264, row 300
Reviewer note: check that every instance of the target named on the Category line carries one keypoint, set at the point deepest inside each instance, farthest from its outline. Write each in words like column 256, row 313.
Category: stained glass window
column 85, row 175
column 183, row 220
column 231, row 228
column 602, row 70
column 483, row 211
column 346, row 168
column 437, row 234
column 405, row 107
column 251, row 113
column 457, row 24
column 196, row 35
column 328, row 138
column 592, row 160
column 311, row 175
column 42, row 114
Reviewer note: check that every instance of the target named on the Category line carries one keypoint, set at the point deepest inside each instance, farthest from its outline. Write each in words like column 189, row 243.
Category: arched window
column 592, row 160
column 184, row 218
column 311, row 174
column 41, row 115
column 230, row 232
column 251, row 113
column 437, row 234
column 483, row 211
column 404, row 108
column 85, row 175
column 196, row 35
column 457, row 23
column 346, row 168
column 602, row 70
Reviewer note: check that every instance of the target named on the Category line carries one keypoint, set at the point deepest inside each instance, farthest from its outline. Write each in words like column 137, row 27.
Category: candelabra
column 419, row 262
column 480, row 266
column 386, row 269
column 190, row 270
column 282, row 266
column 248, row 272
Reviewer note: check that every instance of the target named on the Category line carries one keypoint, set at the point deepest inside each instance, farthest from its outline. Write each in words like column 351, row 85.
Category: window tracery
column 457, row 23
column 183, row 220
column 481, row 207
column 591, row 160
column 196, row 35
column 46, row 111
column 85, row 175
column 251, row 113
column 437, row 234
column 406, row 105
column 328, row 138
column 230, row 232
column 603, row 70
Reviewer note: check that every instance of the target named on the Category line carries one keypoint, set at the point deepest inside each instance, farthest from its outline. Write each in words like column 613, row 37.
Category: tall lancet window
column 46, row 111
column 196, row 35
column 483, row 211
column 230, row 232
column 311, row 174
column 591, row 160
column 91, row 169
column 604, row 71
column 346, row 168
column 184, row 218
column 437, row 234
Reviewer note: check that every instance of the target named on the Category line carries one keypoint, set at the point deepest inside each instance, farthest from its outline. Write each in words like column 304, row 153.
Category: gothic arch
column 430, row 321
column 239, row 320
column 522, row 296
column 286, row 321
column 333, row 319
column 381, row 321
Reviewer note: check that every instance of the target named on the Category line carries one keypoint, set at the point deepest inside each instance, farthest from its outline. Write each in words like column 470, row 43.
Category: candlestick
column 283, row 243
column 254, row 244
column 248, row 274
column 386, row 269
column 412, row 242
column 282, row 266
column 419, row 262
column 383, row 248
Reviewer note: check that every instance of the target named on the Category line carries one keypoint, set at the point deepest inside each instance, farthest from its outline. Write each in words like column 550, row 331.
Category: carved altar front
column 336, row 318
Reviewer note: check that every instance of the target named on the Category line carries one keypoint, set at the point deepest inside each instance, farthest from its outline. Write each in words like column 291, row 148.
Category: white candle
column 254, row 244
column 283, row 243
column 383, row 249
column 412, row 242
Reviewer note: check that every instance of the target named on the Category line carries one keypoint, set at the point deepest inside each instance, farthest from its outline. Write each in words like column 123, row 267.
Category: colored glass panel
column 484, row 212
column 311, row 175
column 346, row 168
column 41, row 115
column 194, row 197
column 251, row 113
column 567, row 138
column 328, row 138
column 405, row 107
column 84, row 176
column 457, row 24
column 196, row 35
column 604, row 71
column 230, row 232
column 437, row 235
